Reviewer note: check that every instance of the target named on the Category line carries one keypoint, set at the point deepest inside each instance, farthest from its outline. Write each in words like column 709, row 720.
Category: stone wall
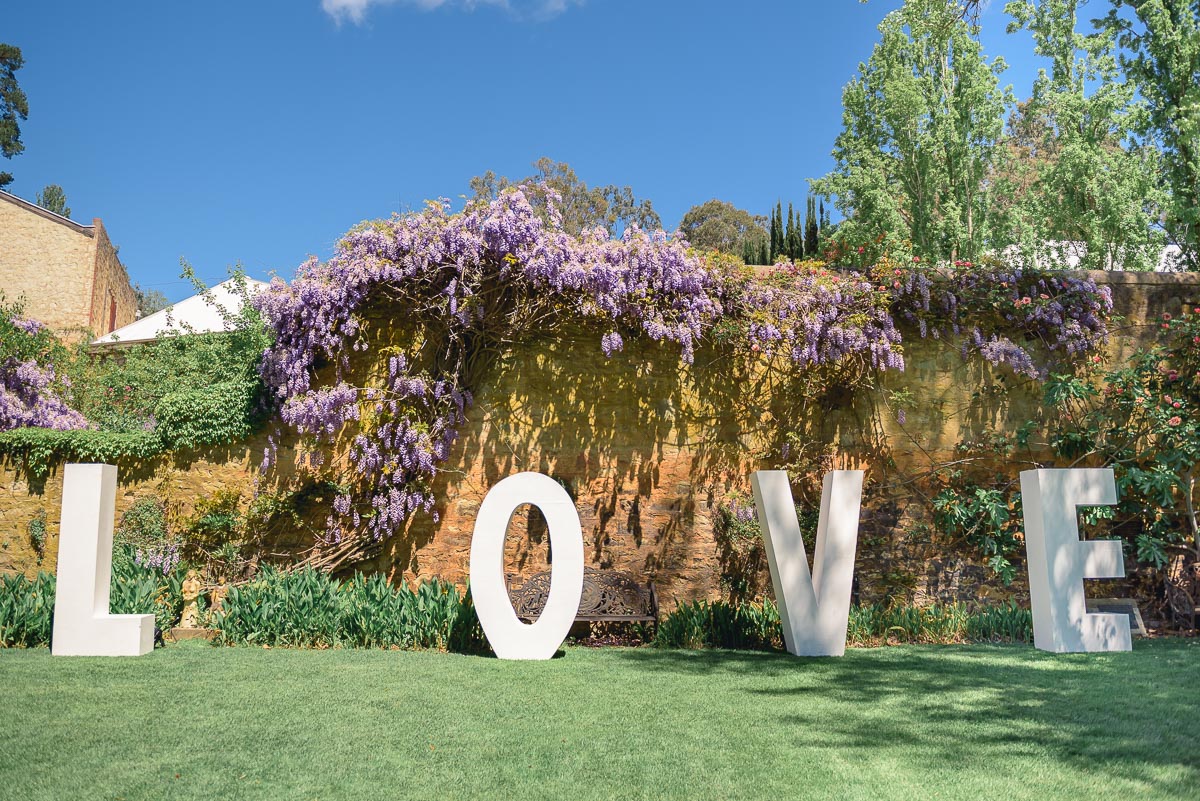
column 648, row 449
column 48, row 261
column 113, row 302
column 69, row 274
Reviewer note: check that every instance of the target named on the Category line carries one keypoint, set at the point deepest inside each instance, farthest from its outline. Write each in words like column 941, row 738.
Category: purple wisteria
column 990, row 304
column 29, row 391
column 820, row 317
column 475, row 282
column 488, row 275
column 164, row 558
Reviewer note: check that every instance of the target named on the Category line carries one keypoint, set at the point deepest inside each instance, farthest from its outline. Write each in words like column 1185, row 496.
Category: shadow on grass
column 1131, row 715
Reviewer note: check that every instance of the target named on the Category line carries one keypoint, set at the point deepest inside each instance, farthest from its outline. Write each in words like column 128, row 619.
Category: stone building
column 68, row 274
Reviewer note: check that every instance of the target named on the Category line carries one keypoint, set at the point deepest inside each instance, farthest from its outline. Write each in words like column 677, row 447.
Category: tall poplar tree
column 1090, row 191
column 921, row 121
column 1162, row 60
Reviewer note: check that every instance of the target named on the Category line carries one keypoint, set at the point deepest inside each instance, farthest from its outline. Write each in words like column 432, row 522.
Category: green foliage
column 1079, row 175
column 986, row 518
column 37, row 533
column 704, row 624
column 752, row 626
column 217, row 414
column 149, row 301
column 143, row 525
column 720, row 226
column 26, row 610
column 179, row 392
column 1161, row 62
column 14, row 106
column 139, row 589
column 307, row 608
column 921, row 123
column 218, row 520
column 39, row 448
column 1143, row 420
column 54, row 199
column 27, row 607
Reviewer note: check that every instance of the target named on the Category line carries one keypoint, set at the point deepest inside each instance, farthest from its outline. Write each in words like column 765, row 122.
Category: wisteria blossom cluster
column 29, row 382
column 485, row 276
column 817, row 316
column 989, row 304
column 163, row 558
column 498, row 273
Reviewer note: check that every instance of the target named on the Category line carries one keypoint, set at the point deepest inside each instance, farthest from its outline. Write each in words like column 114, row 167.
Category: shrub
column 26, row 610
column 307, row 608
column 701, row 624
column 147, row 582
column 27, row 606
column 178, row 392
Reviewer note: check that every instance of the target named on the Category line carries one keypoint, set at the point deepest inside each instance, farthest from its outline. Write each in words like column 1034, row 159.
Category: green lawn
column 979, row 722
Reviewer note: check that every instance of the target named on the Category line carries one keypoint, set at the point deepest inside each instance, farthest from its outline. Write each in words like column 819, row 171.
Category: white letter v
column 813, row 608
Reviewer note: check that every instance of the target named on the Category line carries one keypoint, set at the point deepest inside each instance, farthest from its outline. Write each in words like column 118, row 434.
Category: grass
column 966, row 722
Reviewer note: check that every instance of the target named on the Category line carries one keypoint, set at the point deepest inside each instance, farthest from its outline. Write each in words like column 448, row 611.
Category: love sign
column 814, row 605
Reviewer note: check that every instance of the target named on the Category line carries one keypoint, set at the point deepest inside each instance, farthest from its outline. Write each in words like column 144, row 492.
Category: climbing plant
column 471, row 284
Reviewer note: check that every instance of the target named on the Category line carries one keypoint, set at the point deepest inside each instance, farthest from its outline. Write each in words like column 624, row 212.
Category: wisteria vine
column 496, row 273
column 30, row 383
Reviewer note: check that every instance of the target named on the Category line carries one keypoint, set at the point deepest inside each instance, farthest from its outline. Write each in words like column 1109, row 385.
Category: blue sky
column 258, row 132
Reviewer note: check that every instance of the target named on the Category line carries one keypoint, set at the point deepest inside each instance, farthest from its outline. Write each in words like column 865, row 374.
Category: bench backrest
column 606, row 593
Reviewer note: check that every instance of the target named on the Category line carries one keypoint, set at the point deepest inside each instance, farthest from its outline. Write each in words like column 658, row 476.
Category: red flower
column 1174, row 421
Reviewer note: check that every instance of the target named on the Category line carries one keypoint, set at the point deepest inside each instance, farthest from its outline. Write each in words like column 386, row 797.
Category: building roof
column 199, row 314
column 86, row 230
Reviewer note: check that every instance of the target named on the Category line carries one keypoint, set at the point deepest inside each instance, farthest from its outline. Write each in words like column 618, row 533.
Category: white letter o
column 508, row 636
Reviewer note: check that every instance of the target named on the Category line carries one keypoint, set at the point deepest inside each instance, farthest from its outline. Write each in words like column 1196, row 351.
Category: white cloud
column 356, row 10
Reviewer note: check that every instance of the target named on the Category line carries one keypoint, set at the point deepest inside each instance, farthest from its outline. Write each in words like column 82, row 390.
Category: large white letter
column 82, row 624
column 508, row 636
column 813, row 608
column 1059, row 562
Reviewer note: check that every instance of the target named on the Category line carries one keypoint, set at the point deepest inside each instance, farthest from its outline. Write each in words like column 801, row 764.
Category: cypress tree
column 791, row 233
column 774, row 243
column 782, row 233
column 810, row 228
column 823, row 231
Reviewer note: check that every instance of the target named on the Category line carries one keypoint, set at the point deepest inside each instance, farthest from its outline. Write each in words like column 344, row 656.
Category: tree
column 721, row 226
column 1076, row 175
column 795, row 240
column 149, row 301
column 777, row 232
column 811, row 223
column 582, row 207
column 13, row 106
column 54, row 199
column 1163, row 63
column 921, row 121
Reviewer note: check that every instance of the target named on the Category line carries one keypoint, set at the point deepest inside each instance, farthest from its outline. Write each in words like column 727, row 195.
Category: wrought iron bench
column 609, row 596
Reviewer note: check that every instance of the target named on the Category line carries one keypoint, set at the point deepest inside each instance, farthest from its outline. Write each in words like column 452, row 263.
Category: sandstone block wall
column 649, row 449
column 69, row 274
column 113, row 303
column 49, row 262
